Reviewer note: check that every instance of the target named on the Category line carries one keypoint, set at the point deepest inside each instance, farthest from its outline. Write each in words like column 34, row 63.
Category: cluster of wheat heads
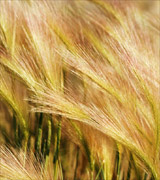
column 79, row 91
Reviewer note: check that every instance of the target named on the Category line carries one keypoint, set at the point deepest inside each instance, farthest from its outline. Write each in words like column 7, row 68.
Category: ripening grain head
column 18, row 165
column 95, row 64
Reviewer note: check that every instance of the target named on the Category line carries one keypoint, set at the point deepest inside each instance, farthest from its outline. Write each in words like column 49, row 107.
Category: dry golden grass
column 80, row 82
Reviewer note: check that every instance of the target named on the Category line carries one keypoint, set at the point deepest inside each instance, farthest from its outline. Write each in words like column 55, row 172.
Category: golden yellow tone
column 79, row 90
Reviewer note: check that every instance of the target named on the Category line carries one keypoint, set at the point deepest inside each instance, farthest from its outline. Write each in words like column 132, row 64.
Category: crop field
column 79, row 90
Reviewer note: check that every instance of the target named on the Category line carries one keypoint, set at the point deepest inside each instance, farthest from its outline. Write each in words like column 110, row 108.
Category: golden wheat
column 88, row 72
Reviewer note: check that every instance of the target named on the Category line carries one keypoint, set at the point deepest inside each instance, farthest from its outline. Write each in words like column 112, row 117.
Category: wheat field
column 79, row 90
